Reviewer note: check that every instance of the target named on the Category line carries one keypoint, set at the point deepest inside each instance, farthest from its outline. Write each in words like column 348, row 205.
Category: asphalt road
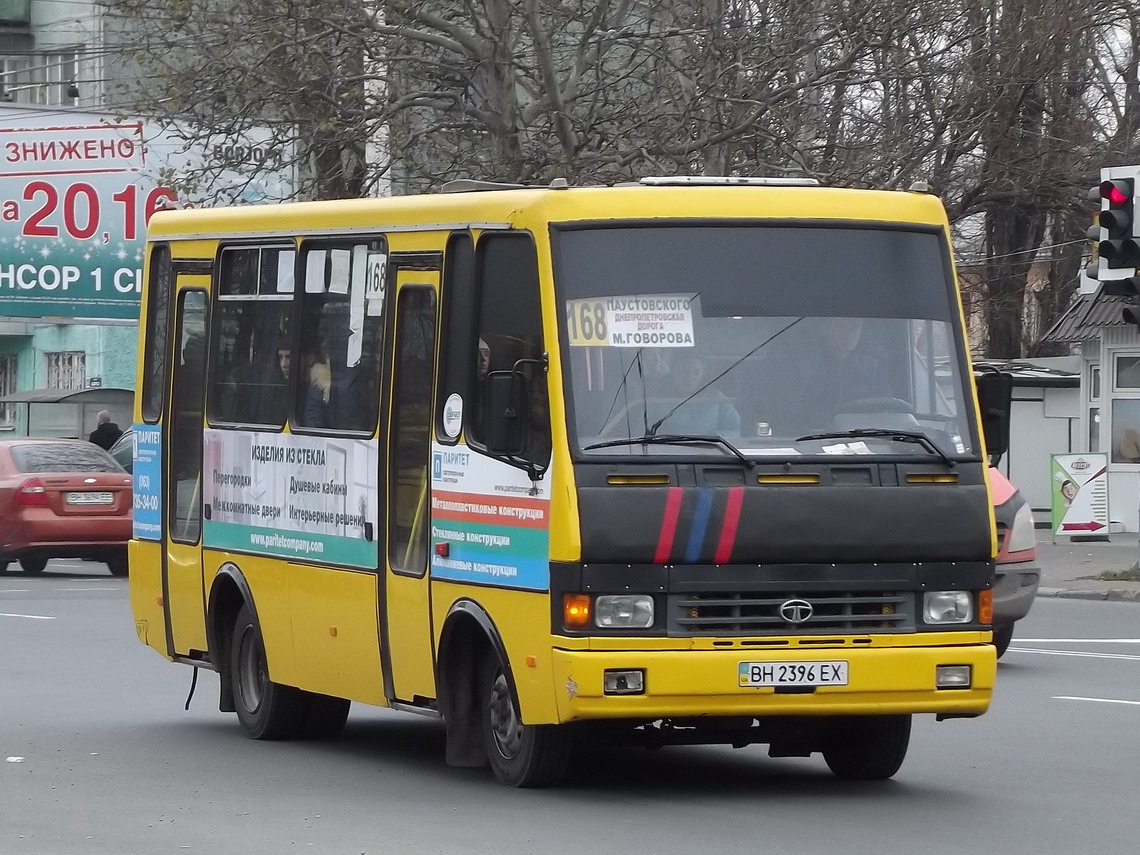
column 102, row 759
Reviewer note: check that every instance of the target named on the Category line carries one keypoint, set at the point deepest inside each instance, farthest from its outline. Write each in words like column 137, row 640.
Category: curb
column 1118, row 594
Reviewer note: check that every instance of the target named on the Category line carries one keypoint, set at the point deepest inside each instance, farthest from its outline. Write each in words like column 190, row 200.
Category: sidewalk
column 1069, row 569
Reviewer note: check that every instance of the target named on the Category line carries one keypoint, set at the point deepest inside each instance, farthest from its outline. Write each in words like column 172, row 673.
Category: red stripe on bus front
column 669, row 525
column 731, row 522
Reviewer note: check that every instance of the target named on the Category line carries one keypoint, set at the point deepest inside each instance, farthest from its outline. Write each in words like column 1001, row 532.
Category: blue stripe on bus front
column 700, row 524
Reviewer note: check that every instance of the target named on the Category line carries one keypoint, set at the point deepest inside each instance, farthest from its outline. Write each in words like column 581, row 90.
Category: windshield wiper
column 675, row 439
column 884, row 433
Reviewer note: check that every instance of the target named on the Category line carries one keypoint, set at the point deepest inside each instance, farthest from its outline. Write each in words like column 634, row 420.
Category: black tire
column 521, row 755
column 4, row 566
column 1003, row 635
column 118, row 565
column 325, row 716
column 33, row 564
column 266, row 710
column 870, row 748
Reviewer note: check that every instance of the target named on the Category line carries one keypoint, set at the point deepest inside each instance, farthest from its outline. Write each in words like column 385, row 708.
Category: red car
column 62, row 498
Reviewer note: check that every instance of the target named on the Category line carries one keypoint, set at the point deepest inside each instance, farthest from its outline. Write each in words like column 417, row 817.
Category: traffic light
column 1129, row 286
column 1119, row 245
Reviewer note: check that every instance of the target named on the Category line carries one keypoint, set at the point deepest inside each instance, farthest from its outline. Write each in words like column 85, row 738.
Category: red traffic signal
column 1121, row 248
column 1117, row 191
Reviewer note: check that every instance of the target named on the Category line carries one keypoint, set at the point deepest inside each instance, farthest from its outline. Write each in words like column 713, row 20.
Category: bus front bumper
column 686, row 683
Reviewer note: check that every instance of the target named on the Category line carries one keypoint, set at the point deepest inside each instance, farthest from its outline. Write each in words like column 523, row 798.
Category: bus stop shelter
column 68, row 412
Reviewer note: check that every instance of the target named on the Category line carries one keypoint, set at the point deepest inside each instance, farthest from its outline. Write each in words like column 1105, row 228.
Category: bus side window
column 456, row 369
column 158, row 326
column 251, row 354
column 510, row 330
column 341, row 318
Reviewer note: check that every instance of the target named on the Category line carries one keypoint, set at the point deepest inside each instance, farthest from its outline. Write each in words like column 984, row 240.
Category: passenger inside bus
column 339, row 395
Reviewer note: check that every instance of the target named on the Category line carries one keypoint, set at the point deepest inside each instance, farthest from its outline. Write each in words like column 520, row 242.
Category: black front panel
column 867, row 513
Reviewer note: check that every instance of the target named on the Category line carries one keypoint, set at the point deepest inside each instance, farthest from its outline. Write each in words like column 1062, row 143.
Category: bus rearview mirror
column 505, row 394
column 995, row 393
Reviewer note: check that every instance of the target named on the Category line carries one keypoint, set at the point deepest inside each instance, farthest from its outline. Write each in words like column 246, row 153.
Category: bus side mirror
column 995, row 393
column 506, row 396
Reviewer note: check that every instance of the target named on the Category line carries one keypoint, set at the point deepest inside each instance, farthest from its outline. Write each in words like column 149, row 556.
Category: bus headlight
column 623, row 611
column 947, row 607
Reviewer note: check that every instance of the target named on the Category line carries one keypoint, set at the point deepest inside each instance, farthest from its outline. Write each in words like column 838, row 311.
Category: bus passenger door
column 407, row 635
column 182, row 585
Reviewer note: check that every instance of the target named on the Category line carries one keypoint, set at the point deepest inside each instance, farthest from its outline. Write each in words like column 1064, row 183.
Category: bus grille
column 759, row 613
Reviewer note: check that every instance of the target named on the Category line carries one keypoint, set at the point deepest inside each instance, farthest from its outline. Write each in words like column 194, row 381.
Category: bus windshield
column 783, row 340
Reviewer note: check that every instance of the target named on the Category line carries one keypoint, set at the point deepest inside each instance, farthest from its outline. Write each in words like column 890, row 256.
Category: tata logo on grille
column 796, row 611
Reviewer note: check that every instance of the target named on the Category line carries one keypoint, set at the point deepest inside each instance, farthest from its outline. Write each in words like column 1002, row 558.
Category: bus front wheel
column 521, row 755
column 868, row 748
column 266, row 710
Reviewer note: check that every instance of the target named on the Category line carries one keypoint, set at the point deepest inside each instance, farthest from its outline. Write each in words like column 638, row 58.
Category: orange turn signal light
column 986, row 606
column 576, row 611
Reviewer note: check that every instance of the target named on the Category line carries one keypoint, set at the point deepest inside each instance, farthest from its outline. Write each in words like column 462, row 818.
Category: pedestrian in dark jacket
column 106, row 431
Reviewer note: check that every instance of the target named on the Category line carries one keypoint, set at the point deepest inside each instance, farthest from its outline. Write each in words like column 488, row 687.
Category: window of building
column 66, row 369
column 250, row 359
column 1094, row 408
column 341, row 320
column 49, row 79
column 7, row 387
column 1125, row 409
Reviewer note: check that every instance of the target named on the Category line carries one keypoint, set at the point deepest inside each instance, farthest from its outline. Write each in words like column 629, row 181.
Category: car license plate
column 90, row 498
column 761, row 674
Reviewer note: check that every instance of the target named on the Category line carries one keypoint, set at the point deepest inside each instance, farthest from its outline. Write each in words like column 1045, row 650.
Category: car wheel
column 118, row 565
column 521, row 755
column 870, row 748
column 1003, row 635
column 3, row 566
column 33, row 564
column 266, row 710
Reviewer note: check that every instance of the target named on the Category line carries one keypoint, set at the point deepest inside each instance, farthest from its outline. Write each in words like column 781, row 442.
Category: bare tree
column 1007, row 107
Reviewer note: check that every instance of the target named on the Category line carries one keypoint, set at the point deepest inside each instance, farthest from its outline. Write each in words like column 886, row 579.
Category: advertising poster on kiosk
column 1079, row 489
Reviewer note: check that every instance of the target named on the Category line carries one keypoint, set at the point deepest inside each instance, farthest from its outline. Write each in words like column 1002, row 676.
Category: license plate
column 89, row 498
column 760, row 674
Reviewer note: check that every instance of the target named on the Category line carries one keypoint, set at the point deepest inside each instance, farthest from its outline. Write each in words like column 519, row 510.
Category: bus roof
column 531, row 206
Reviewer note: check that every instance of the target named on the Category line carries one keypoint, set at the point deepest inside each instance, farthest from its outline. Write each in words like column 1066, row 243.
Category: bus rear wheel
column 266, row 710
column 868, row 748
column 521, row 755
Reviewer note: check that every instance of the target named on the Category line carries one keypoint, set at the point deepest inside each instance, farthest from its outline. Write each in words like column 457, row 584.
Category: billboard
column 1080, row 493
column 76, row 192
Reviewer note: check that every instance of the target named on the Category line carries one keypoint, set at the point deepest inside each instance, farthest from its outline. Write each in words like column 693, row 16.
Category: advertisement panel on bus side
column 494, row 521
column 290, row 496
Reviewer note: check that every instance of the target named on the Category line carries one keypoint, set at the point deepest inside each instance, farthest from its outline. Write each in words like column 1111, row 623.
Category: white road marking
column 1095, row 700
column 14, row 590
column 1078, row 640
column 29, row 617
column 85, row 590
column 1079, row 653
